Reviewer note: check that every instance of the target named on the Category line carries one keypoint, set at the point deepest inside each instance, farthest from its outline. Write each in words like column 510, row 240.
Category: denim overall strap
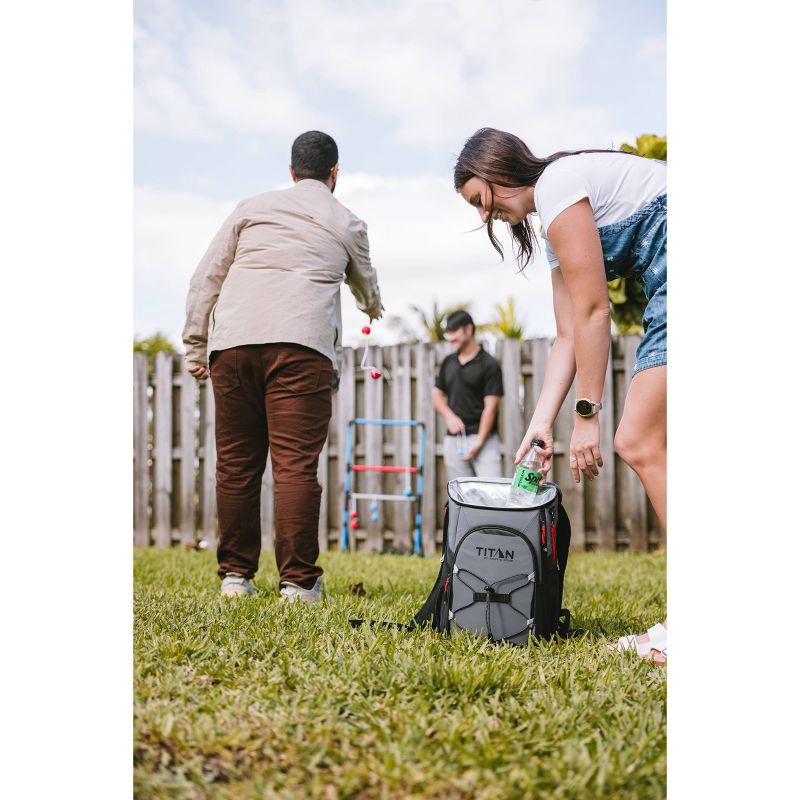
column 636, row 247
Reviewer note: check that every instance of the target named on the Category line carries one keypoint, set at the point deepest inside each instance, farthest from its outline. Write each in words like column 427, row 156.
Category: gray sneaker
column 235, row 585
column 291, row 592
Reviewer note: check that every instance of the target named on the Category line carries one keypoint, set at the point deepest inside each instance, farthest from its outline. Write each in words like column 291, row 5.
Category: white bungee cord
column 373, row 371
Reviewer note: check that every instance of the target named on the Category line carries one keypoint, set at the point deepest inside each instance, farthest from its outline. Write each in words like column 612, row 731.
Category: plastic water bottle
column 527, row 477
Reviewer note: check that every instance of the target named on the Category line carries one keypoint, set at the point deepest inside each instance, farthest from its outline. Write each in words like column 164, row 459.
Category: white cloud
column 435, row 71
column 197, row 80
column 652, row 52
column 421, row 247
column 442, row 70
column 171, row 232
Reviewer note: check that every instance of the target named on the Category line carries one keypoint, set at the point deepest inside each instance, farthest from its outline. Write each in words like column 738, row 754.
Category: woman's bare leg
column 641, row 442
column 641, row 439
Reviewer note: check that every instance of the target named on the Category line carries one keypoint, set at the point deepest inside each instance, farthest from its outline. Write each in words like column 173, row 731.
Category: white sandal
column 657, row 641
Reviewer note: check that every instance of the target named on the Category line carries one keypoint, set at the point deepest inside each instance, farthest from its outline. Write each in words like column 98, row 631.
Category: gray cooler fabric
column 495, row 569
column 493, row 564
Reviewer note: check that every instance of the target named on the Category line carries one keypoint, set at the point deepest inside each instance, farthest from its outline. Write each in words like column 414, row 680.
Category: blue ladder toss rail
column 350, row 496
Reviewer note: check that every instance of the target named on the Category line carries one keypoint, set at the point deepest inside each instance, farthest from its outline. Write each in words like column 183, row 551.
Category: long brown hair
column 504, row 159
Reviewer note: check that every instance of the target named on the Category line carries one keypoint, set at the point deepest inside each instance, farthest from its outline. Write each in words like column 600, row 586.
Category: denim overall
column 637, row 247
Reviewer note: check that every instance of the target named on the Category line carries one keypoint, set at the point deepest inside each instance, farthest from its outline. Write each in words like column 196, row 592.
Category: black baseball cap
column 458, row 319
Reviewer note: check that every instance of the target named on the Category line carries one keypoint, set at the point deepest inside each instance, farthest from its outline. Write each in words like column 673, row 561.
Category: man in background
column 467, row 394
column 263, row 320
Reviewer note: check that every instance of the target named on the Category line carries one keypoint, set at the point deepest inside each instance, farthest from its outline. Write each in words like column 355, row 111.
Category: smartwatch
column 586, row 408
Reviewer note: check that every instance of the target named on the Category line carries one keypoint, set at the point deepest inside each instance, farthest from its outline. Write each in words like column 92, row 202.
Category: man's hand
column 584, row 449
column 454, row 424
column 472, row 452
column 199, row 371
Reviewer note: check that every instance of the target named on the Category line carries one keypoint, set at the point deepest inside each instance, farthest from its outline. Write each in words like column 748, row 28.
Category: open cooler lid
column 493, row 493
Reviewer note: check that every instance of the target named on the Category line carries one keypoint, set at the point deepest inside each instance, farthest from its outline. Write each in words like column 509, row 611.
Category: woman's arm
column 575, row 241
column 558, row 376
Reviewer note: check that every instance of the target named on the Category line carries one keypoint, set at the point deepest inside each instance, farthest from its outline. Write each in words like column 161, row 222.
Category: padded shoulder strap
column 427, row 614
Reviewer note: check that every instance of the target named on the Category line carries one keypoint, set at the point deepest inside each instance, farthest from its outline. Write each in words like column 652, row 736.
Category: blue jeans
column 636, row 247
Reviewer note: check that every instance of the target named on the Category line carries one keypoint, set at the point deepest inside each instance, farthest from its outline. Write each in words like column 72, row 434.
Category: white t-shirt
column 616, row 184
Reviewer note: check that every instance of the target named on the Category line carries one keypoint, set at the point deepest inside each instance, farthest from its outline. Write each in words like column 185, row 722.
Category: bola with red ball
column 374, row 372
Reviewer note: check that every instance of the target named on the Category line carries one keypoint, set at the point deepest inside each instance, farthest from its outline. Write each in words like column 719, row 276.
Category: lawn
column 253, row 698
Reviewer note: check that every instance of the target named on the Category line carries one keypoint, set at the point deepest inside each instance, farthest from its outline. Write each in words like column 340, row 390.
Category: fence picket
column 267, row 506
column 322, row 477
column 373, row 436
column 511, row 366
column 346, row 407
column 162, row 451
column 604, row 483
column 188, row 444
column 141, row 465
column 401, row 401
column 208, row 465
column 425, row 372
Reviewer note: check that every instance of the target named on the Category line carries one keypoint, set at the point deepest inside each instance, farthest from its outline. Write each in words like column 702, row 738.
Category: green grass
column 252, row 698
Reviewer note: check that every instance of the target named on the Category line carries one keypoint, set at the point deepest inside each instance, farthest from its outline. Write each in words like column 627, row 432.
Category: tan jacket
column 273, row 273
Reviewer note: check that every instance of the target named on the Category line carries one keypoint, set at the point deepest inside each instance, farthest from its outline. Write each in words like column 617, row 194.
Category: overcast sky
column 222, row 89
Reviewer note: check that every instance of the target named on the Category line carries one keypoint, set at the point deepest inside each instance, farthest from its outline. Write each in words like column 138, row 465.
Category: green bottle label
column 526, row 479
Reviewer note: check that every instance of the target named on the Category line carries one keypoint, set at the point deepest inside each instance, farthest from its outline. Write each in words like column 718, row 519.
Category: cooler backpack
column 502, row 573
column 502, row 567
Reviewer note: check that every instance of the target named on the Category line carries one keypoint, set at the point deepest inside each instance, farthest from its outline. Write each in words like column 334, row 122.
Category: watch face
column 583, row 407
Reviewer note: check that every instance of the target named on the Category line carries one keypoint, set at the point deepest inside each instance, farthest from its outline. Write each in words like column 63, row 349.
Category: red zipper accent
column 544, row 535
column 553, row 539
column 446, row 584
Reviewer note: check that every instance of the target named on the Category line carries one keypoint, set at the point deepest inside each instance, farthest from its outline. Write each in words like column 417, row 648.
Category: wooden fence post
column 188, row 445
column 267, row 506
column 346, row 402
column 511, row 366
column 322, row 477
column 209, row 465
column 605, row 481
column 401, row 396
column 141, row 461
column 162, row 452
column 426, row 370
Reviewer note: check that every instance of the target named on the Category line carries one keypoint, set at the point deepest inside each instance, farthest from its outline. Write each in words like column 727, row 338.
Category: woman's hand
column 537, row 430
column 584, row 448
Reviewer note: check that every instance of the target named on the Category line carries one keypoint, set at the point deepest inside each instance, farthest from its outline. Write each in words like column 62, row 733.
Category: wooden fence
column 174, row 453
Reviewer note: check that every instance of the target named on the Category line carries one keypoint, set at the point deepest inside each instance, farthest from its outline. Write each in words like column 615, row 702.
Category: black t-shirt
column 467, row 384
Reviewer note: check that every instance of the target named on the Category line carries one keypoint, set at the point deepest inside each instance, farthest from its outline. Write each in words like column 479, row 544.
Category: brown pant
column 270, row 397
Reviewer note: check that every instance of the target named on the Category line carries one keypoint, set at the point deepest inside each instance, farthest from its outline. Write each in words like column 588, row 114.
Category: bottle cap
column 537, row 442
